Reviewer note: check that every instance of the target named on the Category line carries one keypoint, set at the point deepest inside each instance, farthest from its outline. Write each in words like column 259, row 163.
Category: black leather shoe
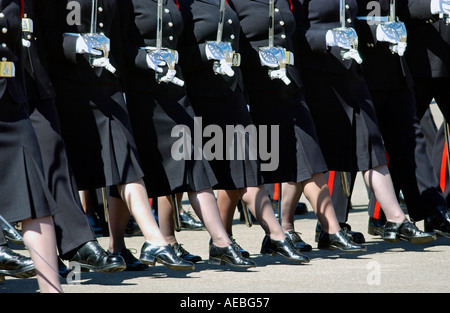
column 14, row 264
column 185, row 255
column 298, row 242
column 407, row 231
column 438, row 224
column 131, row 262
column 355, row 236
column 376, row 226
column 283, row 248
column 91, row 256
column 230, row 255
column 341, row 241
column 150, row 254
column 243, row 252
column 188, row 222
column 11, row 236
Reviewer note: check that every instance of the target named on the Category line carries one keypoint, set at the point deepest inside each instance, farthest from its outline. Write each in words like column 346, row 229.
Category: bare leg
column 135, row 199
column 379, row 181
column 260, row 206
column 118, row 220
column 165, row 216
column 227, row 201
column 205, row 206
column 317, row 192
column 40, row 235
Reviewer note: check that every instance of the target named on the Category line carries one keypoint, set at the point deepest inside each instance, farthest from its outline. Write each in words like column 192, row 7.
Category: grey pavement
column 385, row 267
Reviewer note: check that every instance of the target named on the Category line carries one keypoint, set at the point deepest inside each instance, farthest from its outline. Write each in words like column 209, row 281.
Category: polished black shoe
column 92, row 257
column 150, row 254
column 341, row 241
column 298, row 242
column 355, row 236
column 131, row 262
column 438, row 224
column 283, row 248
column 189, row 222
column 11, row 236
column 230, row 255
column 14, row 264
column 185, row 255
column 243, row 252
column 407, row 231
column 376, row 226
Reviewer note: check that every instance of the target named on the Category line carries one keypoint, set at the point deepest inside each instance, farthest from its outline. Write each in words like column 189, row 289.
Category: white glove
column 280, row 74
column 347, row 39
column 440, row 6
column 94, row 44
column 275, row 58
column 394, row 33
column 171, row 78
column 103, row 62
column 222, row 52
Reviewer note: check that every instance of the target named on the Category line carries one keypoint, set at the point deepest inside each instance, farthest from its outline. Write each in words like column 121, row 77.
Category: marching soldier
column 382, row 46
column 342, row 108
column 276, row 98
column 214, row 83
column 74, row 235
column 83, row 42
column 25, row 195
column 157, row 102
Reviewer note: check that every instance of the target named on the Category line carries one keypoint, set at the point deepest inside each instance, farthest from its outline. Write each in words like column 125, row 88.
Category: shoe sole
column 275, row 253
column 217, row 261
column 332, row 247
column 27, row 272
column 151, row 260
column 421, row 240
column 112, row 268
column 440, row 233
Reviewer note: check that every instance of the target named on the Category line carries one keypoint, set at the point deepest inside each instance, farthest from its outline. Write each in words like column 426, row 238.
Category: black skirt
column 22, row 182
column 97, row 131
column 156, row 116
column 232, row 169
column 345, row 120
column 299, row 152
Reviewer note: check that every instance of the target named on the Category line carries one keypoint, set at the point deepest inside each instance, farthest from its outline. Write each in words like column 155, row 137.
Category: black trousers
column 71, row 224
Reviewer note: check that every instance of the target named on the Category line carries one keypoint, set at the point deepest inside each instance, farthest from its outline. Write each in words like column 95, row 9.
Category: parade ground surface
column 383, row 268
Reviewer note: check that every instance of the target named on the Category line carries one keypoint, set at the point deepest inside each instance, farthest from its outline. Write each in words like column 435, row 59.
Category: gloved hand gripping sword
column 393, row 31
column 276, row 58
column 221, row 52
column 158, row 56
column 344, row 37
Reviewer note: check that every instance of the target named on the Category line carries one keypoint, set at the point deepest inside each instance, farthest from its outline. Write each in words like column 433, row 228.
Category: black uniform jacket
column 38, row 84
column 200, row 25
column 57, row 17
column 254, row 20
column 428, row 52
column 314, row 19
column 10, row 48
column 140, row 23
column 383, row 70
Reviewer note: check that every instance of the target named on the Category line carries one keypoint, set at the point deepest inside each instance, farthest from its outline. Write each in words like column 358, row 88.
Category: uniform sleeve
column 313, row 39
column 57, row 44
column 415, row 9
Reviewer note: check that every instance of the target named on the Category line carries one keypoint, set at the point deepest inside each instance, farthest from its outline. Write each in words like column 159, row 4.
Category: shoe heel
column 147, row 259
column 2, row 278
column 371, row 230
column 216, row 261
